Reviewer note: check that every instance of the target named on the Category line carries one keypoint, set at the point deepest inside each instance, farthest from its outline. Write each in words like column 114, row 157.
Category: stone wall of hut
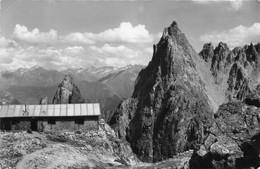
column 59, row 124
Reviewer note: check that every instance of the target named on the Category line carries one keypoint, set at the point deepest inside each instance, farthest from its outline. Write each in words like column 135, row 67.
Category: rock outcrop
column 253, row 99
column 234, row 141
column 169, row 111
column 44, row 100
column 67, row 92
column 207, row 52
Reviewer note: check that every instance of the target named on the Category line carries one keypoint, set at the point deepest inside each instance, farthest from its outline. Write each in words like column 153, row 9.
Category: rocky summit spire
column 67, row 92
column 169, row 111
column 207, row 52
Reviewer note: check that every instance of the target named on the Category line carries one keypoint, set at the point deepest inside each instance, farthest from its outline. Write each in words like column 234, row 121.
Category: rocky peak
column 251, row 53
column 207, row 52
column 172, row 30
column 67, row 92
column 221, row 53
column 169, row 111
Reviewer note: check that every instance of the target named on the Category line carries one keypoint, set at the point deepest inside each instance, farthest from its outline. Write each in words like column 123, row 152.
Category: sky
column 64, row 34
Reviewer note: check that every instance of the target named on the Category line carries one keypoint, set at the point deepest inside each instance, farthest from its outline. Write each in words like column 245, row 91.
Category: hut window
column 79, row 121
column 51, row 121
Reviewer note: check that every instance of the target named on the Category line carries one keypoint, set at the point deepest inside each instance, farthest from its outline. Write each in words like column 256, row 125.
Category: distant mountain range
column 106, row 85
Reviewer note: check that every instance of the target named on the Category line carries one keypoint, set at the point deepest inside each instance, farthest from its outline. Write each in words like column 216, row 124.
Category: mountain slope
column 6, row 98
column 120, row 80
column 169, row 111
column 35, row 76
column 123, row 81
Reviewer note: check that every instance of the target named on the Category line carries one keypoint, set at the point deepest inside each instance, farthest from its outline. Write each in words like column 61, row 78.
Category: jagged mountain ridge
column 120, row 80
column 35, row 76
column 170, row 109
column 236, row 71
column 39, row 76
column 112, row 84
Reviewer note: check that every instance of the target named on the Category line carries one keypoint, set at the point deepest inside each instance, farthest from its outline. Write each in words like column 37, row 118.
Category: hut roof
column 50, row 110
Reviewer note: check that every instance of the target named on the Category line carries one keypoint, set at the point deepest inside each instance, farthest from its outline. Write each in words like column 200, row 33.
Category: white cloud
column 237, row 36
column 115, row 61
column 120, row 46
column 17, row 56
column 77, row 37
column 6, row 43
column 234, row 4
column 75, row 50
column 3, row 41
column 120, row 51
column 125, row 33
column 21, row 32
column 4, row 58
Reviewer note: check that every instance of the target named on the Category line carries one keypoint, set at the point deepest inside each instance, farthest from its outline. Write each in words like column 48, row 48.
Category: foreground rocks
column 13, row 146
column 93, row 149
column 234, row 142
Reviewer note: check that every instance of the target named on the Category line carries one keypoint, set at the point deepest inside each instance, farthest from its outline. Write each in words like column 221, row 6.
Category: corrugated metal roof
column 90, row 109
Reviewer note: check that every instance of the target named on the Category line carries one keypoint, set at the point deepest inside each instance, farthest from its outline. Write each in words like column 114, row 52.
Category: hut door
column 7, row 124
column 34, row 125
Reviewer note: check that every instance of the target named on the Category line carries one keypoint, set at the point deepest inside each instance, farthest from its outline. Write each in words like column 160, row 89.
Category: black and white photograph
column 129, row 84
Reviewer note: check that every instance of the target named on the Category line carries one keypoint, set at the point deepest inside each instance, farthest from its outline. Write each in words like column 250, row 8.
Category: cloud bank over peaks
column 125, row 33
column 120, row 46
column 237, row 36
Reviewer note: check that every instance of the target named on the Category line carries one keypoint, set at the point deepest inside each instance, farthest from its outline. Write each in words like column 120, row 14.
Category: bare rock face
column 218, row 64
column 67, row 92
column 238, row 86
column 169, row 111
